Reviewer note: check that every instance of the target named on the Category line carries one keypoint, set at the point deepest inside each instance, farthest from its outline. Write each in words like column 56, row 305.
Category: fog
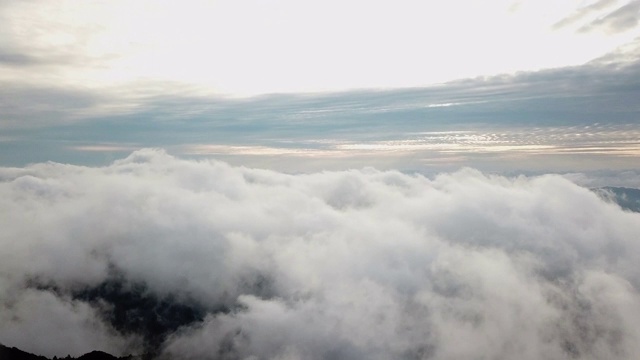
column 193, row 259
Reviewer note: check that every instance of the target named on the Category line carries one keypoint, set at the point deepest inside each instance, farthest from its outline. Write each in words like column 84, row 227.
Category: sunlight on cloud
column 459, row 147
column 250, row 150
column 104, row 148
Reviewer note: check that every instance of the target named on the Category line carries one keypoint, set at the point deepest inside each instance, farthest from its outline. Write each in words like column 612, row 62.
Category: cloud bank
column 579, row 118
column 202, row 260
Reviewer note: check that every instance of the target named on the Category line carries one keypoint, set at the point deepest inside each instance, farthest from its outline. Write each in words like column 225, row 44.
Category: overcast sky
column 337, row 84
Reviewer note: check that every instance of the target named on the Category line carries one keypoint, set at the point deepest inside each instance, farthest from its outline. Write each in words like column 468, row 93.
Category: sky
column 314, row 85
column 242, row 48
column 293, row 180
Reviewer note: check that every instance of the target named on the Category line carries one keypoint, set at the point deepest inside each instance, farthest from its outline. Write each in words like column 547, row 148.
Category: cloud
column 61, row 325
column 605, row 15
column 622, row 19
column 15, row 58
column 588, row 110
column 27, row 107
column 628, row 178
column 586, row 13
column 237, row 262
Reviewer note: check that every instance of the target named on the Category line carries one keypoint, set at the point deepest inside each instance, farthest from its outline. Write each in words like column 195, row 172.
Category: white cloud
column 351, row 264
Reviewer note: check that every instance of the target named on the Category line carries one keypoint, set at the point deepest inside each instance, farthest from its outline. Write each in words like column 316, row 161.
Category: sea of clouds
column 359, row 264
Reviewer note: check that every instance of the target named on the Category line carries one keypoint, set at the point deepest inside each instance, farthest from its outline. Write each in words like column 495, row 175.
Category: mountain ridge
column 13, row 353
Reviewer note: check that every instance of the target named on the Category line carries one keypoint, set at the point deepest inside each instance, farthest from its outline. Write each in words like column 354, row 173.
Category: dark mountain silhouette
column 133, row 309
column 7, row 353
column 97, row 355
column 12, row 353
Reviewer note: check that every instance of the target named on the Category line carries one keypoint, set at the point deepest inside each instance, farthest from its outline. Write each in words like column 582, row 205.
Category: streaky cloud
column 598, row 100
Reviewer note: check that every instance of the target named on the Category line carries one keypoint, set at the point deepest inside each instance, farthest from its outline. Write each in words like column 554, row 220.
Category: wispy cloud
column 104, row 148
column 607, row 16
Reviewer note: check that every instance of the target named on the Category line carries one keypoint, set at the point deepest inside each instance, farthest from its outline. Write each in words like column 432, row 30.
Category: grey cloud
column 344, row 265
column 622, row 19
column 611, row 83
column 584, row 12
column 609, row 17
column 25, row 107
column 63, row 124
column 15, row 58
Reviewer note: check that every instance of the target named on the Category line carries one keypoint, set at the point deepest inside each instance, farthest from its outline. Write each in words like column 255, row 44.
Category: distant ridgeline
column 7, row 353
column 626, row 198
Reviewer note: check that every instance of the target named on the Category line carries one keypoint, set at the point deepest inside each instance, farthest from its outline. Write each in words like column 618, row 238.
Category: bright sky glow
column 252, row 47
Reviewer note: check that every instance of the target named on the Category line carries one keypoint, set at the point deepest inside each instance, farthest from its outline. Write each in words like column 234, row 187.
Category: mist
column 186, row 259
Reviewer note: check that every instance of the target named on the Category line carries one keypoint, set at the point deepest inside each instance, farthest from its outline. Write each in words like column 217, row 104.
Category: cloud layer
column 238, row 263
column 570, row 119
